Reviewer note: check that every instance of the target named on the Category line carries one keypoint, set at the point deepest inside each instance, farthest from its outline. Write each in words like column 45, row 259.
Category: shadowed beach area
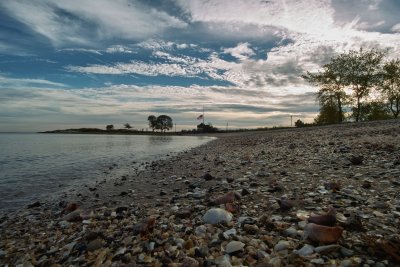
column 318, row 196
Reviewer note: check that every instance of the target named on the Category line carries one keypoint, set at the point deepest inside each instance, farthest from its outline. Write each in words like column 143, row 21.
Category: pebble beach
column 313, row 196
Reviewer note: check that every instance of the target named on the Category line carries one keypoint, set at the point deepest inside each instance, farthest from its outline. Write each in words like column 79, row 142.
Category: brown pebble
column 322, row 234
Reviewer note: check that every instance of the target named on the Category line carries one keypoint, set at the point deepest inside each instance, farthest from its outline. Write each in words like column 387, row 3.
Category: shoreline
column 294, row 164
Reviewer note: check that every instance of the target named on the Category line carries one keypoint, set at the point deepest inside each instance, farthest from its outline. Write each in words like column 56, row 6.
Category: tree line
column 162, row 123
column 358, row 85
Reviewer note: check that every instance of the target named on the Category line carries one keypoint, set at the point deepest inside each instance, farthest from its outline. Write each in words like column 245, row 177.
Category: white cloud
column 309, row 24
column 242, row 51
column 84, row 50
column 136, row 67
column 373, row 4
column 306, row 16
column 183, row 66
column 119, row 49
column 20, row 82
column 367, row 25
column 158, row 44
column 101, row 19
column 396, row 28
column 182, row 46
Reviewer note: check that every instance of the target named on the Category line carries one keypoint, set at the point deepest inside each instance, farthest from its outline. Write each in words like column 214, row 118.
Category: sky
column 89, row 63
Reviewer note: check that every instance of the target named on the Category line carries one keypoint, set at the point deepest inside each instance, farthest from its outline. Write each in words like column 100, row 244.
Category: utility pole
column 226, row 126
column 291, row 120
column 175, row 127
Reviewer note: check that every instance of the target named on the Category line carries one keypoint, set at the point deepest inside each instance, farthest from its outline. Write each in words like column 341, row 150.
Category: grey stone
column 291, row 231
column 217, row 215
column 282, row 245
column 306, row 250
column 234, row 246
column 346, row 252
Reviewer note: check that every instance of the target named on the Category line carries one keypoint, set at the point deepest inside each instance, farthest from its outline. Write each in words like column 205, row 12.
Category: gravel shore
column 319, row 196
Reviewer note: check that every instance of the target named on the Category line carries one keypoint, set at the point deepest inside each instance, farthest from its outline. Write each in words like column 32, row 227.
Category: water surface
column 35, row 165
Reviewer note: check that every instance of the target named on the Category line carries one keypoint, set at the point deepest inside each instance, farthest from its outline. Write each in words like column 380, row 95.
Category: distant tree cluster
column 162, row 123
column 110, row 127
column 206, row 128
column 299, row 123
column 350, row 79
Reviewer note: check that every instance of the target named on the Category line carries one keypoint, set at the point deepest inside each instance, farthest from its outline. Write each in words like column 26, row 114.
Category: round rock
column 282, row 245
column 217, row 215
column 234, row 246
column 306, row 250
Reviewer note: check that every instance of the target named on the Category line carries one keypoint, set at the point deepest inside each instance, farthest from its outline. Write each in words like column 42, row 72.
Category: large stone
column 217, row 215
column 282, row 245
column 234, row 246
column 306, row 250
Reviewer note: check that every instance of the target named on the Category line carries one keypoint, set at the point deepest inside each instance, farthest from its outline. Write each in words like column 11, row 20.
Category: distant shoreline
column 218, row 133
column 112, row 132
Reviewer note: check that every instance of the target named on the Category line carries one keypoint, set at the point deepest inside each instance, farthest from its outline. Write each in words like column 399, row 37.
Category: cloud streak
column 13, row 82
column 77, row 22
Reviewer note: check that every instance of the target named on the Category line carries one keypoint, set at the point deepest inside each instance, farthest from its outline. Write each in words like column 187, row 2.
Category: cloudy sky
column 88, row 63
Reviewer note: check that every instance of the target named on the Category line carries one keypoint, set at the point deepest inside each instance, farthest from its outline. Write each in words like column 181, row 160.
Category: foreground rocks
column 324, row 196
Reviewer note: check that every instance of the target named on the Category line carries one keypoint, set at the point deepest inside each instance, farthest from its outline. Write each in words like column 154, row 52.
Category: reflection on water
column 33, row 165
column 156, row 140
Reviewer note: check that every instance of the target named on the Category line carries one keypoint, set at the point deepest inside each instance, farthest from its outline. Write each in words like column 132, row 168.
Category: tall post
column 291, row 120
column 226, row 126
column 175, row 127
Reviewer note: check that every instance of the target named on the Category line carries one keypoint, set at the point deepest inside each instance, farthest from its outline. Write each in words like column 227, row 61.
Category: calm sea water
column 33, row 166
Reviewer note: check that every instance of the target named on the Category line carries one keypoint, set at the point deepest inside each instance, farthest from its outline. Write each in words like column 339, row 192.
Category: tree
column 207, row 128
column 374, row 110
column 162, row 122
column 332, row 82
column 390, row 85
column 127, row 126
column 362, row 74
column 299, row 123
column 110, row 127
column 152, row 122
column 328, row 112
column 358, row 70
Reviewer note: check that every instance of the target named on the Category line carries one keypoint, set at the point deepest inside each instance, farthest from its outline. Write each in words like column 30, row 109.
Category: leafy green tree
column 332, row 82
column 127, row 126
column 362, row 74
column 374, row 110
column 110, row 127
column 357, row 70
column 328, row 112
column 390, row 86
